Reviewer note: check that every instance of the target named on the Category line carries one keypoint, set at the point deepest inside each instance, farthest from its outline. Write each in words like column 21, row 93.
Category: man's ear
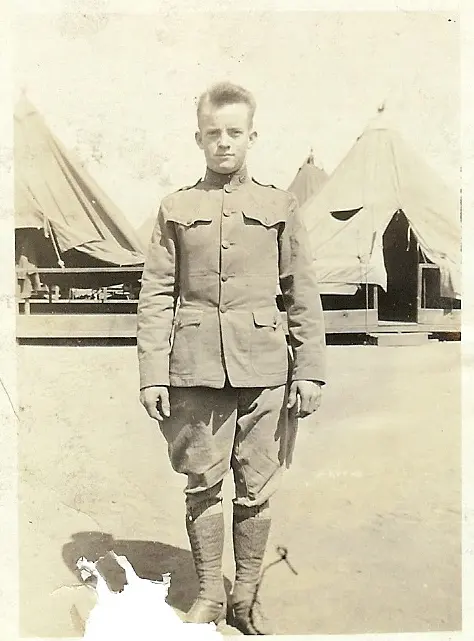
column 198, row 139
column 253, row 138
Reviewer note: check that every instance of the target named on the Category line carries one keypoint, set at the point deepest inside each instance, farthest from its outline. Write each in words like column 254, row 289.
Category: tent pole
column 55, row 245
column 366, row 300
column 419, row 274
column 419, row 292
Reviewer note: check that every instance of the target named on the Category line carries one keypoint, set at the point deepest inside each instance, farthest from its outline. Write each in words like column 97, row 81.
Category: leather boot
column 206, row 536
column 250, row 534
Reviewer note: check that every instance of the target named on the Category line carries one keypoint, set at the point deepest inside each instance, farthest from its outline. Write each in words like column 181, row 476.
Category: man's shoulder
column 184, row 193
column 273, row 193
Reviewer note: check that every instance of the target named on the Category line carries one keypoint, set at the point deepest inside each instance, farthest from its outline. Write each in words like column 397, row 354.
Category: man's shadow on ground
column 150, row 560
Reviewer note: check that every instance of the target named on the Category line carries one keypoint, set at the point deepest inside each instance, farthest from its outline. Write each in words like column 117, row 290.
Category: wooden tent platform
column 123, row 326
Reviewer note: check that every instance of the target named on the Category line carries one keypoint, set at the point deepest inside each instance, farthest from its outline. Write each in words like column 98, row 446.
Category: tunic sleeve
column 156, row 304
column 302, row 301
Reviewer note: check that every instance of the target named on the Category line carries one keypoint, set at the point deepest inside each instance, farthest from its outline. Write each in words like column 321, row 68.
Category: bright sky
column 121, row 90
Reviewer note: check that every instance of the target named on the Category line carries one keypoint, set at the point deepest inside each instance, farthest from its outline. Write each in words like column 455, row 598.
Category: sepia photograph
column 237, row 322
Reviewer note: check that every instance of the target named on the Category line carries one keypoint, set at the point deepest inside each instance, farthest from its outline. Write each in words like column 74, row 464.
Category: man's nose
column 224, row 140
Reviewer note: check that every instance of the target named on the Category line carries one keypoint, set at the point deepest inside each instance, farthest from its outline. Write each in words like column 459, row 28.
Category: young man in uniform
column 219, row 387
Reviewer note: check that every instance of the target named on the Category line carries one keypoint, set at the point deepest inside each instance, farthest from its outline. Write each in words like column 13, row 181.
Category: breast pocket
column 268, row 347
column 186, row 342
column 261, row 240
column 192, row 229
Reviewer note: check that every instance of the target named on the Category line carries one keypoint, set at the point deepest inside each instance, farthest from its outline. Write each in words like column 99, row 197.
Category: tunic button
column 224, row 278
column 226, row 212
column 225, row 244
column 227, row 188
column 223, row 309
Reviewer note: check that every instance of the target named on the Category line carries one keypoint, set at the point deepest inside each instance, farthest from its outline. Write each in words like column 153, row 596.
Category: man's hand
column 156, row 401
column 308, row 396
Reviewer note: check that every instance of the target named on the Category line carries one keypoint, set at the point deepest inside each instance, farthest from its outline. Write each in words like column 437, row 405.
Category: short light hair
column 227, row 93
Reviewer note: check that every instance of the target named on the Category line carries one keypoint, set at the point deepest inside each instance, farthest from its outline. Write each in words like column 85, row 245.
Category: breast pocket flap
column 265, row 219
column 188, row 218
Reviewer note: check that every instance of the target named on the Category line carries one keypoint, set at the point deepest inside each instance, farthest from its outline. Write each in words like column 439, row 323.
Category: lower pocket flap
column 265, row 317
column 187, row 317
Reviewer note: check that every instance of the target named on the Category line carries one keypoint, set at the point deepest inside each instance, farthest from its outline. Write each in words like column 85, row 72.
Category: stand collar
column 220, row 180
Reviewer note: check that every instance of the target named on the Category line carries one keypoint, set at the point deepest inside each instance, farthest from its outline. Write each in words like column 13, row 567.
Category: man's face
column 225, row 134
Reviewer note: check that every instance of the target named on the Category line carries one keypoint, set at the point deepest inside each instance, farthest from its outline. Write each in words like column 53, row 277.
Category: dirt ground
column 369, row 511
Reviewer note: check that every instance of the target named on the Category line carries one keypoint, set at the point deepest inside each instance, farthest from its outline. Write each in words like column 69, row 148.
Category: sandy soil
column 369, row 511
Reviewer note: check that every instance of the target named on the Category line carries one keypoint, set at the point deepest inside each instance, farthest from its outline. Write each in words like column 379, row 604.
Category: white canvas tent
column 57, row 196
column 63, row 219
column 308, row 181
column 380, row 177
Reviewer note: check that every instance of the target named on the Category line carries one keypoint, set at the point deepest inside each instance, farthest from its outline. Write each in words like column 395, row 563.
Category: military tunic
column 222, row 248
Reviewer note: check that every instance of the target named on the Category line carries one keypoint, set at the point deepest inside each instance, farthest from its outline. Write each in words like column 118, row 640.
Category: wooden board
column 30, row 326
column 398, row 339
column 443, row 319
column 350, row 321
column 76, row 326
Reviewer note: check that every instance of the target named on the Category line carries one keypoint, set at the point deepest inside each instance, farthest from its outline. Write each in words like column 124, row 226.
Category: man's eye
column 235, row 132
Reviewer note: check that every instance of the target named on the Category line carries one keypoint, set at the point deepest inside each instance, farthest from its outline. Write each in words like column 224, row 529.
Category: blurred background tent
column 62, row 216
column 308, row 180
column 382, row 211
column 146, row 229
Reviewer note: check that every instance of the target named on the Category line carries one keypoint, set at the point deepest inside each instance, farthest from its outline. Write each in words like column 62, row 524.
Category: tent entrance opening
column 400, row 248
